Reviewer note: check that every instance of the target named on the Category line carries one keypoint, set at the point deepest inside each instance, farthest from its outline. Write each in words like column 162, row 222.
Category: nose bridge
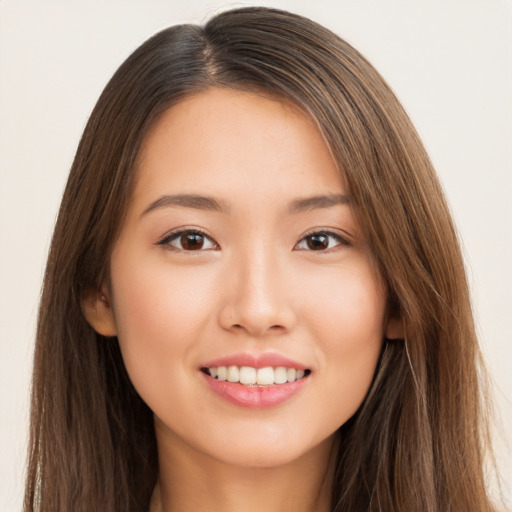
column 257, row 299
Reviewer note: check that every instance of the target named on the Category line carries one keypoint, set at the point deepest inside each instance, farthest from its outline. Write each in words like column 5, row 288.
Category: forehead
column 233, row 142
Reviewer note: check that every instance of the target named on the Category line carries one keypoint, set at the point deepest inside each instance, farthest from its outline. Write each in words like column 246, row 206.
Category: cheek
column 159, row 313
column 346, row 305
column 150, row 306
column 346, row 316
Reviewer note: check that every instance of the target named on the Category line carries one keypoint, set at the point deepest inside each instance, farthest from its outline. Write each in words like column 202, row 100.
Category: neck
column 190, row 481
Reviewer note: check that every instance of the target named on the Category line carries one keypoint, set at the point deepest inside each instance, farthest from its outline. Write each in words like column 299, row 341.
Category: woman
column 254, row 297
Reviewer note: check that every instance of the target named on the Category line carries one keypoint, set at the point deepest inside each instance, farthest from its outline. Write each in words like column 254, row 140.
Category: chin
column 267, row 452
column 260, row 459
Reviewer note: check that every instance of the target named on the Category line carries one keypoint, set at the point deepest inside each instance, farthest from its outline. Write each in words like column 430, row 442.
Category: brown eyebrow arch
column 188, row 201
column 311, row 203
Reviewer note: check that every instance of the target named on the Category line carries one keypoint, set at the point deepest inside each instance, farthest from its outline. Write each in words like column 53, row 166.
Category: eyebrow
column 312, row 203
column 206, row 203
column 187, row 201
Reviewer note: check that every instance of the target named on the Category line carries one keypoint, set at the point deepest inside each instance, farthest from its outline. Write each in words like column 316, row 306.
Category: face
column 241, row 260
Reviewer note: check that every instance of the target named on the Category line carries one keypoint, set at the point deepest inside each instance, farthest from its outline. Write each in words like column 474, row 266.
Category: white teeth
column 249, row 376
column 265, row 376
column 233, row 374
column 280, row 375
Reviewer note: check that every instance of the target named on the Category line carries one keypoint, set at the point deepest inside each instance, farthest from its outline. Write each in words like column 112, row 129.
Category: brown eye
column 317, row 242
column 321, row 241
column 188, row 240
column 192, row 241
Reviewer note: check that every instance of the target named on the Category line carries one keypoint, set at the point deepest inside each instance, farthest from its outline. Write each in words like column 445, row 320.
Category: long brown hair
column 418, row 441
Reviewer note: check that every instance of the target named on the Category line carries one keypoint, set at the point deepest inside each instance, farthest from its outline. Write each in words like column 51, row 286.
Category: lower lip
column 256, row 397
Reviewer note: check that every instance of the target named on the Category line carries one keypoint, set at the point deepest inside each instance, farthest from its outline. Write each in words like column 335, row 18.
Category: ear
column 97, row 309
column 395, row 329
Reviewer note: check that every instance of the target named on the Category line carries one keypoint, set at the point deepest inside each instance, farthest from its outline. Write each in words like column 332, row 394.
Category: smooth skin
column 250, row 264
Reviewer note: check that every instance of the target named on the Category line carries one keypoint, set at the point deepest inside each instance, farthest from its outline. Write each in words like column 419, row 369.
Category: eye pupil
column 318, row 242
column 192, row 241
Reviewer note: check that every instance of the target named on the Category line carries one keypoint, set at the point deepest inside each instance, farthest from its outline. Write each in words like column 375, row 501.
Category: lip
column 255, row 361
column 253, row 396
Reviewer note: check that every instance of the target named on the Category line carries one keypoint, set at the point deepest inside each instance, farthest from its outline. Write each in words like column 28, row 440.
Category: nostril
column 276, row 328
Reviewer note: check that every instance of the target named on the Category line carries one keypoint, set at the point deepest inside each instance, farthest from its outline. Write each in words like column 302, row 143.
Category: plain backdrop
column 450, row 63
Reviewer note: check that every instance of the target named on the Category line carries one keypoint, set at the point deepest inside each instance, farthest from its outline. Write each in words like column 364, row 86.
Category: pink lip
column 256, row 361
column 254, row 396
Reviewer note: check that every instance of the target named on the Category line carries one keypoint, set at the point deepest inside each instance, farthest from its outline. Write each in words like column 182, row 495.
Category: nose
column 256, row 298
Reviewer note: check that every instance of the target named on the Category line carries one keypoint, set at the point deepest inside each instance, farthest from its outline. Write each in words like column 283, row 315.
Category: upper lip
column 255, row 361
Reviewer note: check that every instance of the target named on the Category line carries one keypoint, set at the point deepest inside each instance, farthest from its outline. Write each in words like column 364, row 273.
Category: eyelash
column 176, row 235
column 340, row 240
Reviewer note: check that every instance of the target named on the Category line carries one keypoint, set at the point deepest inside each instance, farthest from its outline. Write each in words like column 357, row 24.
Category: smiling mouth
column 256, row 377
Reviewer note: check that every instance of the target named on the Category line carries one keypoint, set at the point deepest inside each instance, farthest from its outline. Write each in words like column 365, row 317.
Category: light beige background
column 450, row 62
